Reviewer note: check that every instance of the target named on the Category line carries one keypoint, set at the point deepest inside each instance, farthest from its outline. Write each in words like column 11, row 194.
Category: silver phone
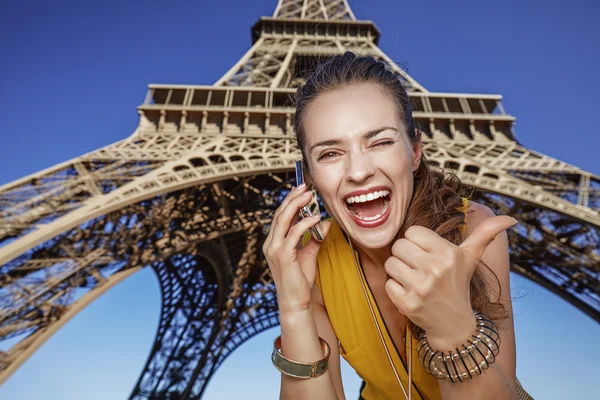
column 316, row 231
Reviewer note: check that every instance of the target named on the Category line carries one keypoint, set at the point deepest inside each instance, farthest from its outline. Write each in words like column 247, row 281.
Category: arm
column 301, row 310
column 500, row 377
column 300, row 334
column 429, row 283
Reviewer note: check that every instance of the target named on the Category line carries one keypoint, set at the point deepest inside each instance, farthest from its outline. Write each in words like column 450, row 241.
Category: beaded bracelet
column 475, row 356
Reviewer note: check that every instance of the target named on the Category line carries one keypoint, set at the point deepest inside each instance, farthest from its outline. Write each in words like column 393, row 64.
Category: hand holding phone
column 316, row 231
column 294, row 267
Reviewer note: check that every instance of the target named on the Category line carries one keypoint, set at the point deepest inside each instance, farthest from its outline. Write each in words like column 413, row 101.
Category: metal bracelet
column 472, row 359
column 300, row 370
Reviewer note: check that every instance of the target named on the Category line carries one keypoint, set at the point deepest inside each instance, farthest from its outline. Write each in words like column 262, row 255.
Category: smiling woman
column 400, row 257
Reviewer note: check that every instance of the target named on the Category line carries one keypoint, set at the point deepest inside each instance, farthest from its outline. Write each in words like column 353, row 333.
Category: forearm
column 300, row 342
column 491, row 381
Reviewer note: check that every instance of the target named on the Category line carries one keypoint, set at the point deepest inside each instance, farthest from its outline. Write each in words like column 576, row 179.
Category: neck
column 374, row 257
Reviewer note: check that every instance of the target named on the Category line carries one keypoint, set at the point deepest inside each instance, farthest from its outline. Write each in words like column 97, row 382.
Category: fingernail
column 516, row 222
column 300, row 186
column 306, row 194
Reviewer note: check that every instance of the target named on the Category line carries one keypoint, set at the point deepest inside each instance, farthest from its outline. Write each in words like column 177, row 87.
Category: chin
column 373, row 243
column 372, row 238
column 378, row 240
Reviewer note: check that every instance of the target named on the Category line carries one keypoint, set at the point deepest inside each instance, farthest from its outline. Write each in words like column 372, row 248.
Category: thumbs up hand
column 430, row 278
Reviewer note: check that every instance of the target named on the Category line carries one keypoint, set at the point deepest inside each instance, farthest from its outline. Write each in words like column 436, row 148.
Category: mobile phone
column 316, row 231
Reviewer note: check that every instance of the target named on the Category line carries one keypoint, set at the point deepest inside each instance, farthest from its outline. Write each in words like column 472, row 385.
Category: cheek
column 396, row 164
column 327, row 182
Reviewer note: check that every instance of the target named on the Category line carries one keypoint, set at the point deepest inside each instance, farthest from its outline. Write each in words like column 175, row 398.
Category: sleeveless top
column 353, row 324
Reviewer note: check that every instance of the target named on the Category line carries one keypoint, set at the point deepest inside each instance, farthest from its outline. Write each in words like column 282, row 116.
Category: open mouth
column 370, row 206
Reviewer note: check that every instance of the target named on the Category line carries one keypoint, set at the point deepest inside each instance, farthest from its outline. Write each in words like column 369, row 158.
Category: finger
column 425, row 238
column 295, row 192
column 288, row 215
column 485, row 233
column 409, row 253
column 292, row 194
column 395, row 292
column 297, row 231
column 401, row 273
column 312, row 246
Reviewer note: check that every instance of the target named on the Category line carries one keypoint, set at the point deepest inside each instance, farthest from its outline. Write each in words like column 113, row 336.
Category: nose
column 360, row 167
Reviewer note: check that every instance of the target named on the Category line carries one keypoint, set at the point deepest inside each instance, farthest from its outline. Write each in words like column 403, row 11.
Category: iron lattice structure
column 190, row 192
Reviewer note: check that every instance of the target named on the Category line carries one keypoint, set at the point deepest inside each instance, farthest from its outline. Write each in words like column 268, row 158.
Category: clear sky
column 72, row 73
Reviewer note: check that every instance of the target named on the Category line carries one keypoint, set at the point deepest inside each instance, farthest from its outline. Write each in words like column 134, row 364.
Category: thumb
column 485, row 233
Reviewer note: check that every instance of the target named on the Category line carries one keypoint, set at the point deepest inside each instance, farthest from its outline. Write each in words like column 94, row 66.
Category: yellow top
column 353, row 324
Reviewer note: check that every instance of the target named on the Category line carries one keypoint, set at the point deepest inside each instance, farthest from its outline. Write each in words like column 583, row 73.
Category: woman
column 400, row 258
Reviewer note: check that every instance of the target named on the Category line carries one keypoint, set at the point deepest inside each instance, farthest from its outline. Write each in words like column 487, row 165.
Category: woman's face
column 361, row 161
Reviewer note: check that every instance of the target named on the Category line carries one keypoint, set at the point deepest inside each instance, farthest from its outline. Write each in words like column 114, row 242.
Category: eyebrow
column 367, row 135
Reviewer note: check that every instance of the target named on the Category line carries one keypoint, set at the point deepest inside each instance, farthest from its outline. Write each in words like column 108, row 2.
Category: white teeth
column 368, row 197
column 371, row 218
column 385, row 207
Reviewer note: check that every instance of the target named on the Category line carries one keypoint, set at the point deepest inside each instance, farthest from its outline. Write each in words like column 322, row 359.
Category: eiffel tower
column 191, row 193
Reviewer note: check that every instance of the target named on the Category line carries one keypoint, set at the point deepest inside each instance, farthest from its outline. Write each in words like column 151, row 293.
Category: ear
column 417, row 151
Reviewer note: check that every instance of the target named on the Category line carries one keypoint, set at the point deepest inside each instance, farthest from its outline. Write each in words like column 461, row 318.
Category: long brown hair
column 437, row 196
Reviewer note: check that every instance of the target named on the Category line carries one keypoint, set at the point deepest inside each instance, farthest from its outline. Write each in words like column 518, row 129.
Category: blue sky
column 73, row 73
